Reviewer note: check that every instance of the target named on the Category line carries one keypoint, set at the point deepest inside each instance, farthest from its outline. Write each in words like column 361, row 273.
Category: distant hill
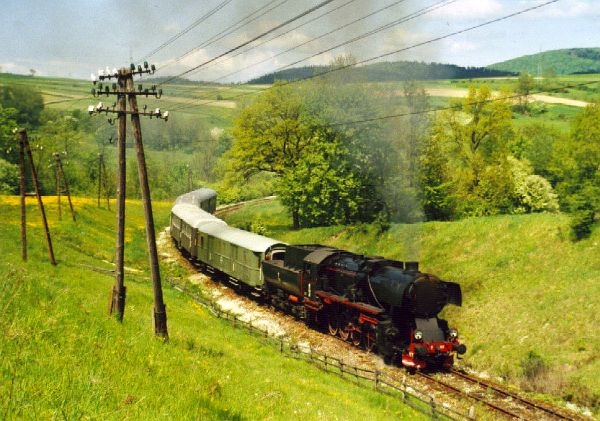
column 387, row 71
column 558, row 62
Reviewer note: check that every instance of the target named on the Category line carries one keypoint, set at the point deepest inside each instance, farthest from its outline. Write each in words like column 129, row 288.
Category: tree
column 579, row 186
column 535, row 143
column 438, row 189
column 328, row 170
column 532, row 192
column 9, row 177
column 27, row 101
column 270, row 135
column 475, row 134
column 9, row 147
column 525, row 85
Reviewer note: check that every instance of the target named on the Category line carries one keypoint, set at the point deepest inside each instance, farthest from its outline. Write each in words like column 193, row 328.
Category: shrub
column 581, row 224
column 9, row 178
column 533, row 366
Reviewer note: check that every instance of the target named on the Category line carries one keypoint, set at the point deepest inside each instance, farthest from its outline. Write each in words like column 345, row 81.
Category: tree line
column 388, row 71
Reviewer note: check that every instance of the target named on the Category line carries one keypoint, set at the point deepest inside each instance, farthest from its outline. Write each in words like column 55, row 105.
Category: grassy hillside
column 531, row 309
column 560, row 62
column 63, row 357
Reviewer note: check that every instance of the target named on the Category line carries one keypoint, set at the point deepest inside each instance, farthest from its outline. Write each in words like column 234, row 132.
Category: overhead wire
column 187, row 29
column 446, row 108
column 371, row 32
column 374, row 31
column 432, row 40
column 339, row 28
column 450, row 107
column 260, row 12
column 273, row 29
column 281, row 35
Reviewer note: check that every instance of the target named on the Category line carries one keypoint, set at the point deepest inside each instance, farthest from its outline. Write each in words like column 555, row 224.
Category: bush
column 581, row 224
column 9, row 178
column 533, row 366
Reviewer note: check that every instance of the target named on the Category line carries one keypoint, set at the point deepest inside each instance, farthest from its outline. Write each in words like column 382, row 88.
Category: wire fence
column 419, row 400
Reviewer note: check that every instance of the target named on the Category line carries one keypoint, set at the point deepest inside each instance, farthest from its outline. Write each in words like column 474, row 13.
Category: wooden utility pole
column 119, row 290
column 26, row 149
column 22, row 194
column 102, row 180
column 124, row 89
column 62, row 186
column 160, row 313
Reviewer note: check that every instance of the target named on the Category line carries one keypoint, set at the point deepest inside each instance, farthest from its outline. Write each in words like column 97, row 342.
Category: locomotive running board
column 364, row 307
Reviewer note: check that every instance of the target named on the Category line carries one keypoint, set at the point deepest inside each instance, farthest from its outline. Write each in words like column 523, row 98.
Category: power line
column 186, row 30
column 404, row 19
column 285, row 33
column 372, row 32
column 420, row 44
column 275, row 28
column 312, row 39
column 232, row 28
column 430, row 41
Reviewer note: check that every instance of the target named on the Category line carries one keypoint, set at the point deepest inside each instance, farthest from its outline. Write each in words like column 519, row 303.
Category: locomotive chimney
column 412, row 266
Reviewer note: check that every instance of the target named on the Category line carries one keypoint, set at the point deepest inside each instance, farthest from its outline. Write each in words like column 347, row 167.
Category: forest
column 388, row 71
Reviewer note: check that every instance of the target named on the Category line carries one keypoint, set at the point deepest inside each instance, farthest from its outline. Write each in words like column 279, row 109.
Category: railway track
column 496, row 398
column 225, row 209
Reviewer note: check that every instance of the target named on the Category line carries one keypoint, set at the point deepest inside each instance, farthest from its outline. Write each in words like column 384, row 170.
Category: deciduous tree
column 580, row 184
column 476, row 134
column 27, row 101
column 329, row 170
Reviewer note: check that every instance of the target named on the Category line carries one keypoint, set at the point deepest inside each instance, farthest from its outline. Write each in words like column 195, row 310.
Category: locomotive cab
column 275, row 253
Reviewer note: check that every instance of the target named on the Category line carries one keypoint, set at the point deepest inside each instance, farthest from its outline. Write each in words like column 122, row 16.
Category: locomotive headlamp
column 418, row 335
column 453, row 334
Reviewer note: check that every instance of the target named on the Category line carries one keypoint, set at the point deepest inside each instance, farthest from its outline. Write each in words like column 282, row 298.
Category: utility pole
column 26, row 149
column 124, row 89
column 22, row 195
column 62, row 186
column 102, row 180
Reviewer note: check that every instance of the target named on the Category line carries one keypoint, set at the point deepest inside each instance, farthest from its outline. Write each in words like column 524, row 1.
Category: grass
column 529, row 293
column 63, row 357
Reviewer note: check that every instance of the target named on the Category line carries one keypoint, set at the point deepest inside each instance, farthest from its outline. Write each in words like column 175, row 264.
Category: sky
column 74, row 38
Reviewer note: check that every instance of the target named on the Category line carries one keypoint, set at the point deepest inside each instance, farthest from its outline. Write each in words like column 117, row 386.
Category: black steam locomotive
column 385, row 306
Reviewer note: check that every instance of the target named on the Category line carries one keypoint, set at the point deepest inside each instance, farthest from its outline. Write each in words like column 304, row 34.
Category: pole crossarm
column 101, row 108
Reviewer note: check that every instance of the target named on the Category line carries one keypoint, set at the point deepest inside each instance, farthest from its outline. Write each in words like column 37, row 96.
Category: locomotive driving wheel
column 368, row 338
column 333, row 324
column 356, row 336
column 345, row 329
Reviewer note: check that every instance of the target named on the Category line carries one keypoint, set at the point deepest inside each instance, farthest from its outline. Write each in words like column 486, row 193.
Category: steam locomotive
column 382, row 305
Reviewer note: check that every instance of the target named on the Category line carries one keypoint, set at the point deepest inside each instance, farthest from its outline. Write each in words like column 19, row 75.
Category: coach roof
column 248, row 240
column 193, row 215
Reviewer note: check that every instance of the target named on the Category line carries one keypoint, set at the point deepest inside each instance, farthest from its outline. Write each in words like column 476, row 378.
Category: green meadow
column 64, row 357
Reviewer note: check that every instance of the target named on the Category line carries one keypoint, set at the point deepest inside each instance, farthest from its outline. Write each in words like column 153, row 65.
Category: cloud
column 566, row 9
column 468, row 9
column 462, row 46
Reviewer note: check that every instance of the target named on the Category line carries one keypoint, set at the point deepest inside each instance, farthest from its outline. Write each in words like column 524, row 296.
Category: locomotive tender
column 386, row 306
